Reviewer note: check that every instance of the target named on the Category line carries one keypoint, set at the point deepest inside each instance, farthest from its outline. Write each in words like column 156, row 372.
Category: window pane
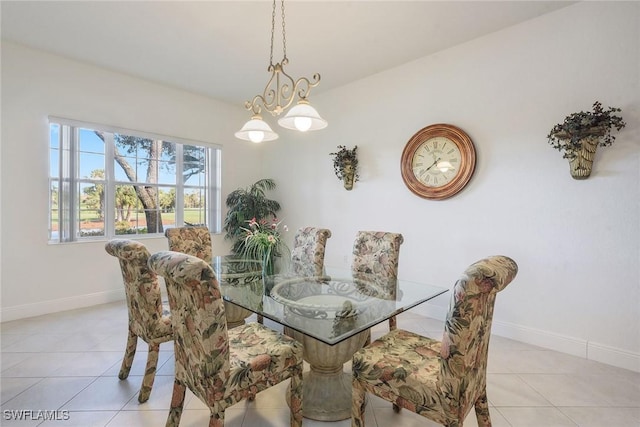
column 126, row 205
column 153, row 220
column 194, row 174
column 119, row 172
column 193, row 153
column 90, row 212
column 194, row 207
column 90, row 142
column 167, row 203
column 194, row 165
column 132, row 145
column 53, row 209
column 168, row 153
column 166, row 173
column 90, row 165
column 54, row 135
column 133, row 222
column 54, row 163
column 141, row 169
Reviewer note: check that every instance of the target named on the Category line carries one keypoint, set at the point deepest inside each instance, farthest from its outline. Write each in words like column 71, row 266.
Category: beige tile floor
column 70, row 361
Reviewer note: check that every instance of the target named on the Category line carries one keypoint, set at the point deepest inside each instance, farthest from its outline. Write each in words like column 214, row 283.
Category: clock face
column 438, row 161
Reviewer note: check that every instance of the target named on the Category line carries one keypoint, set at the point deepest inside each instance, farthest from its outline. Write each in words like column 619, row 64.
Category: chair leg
column 260, row 319
column 149, row 373
column 177, row 403
column 358, row 402
column 295, row 403
column 129, row 353
column 393, row 323
column 216, row 420
column 482, row 410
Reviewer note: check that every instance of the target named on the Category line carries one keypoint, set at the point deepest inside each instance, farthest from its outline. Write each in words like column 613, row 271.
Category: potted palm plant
column 581, row 133
column 244, row 205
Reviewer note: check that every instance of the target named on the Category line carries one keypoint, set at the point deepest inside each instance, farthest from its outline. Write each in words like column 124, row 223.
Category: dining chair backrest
column 199, row 323
column 191, row 240
column 467, row 328
column 377, row 253
column 142, row 291
column 307, row 255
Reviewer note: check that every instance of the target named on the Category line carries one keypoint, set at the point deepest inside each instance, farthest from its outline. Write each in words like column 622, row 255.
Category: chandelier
column 278, row 95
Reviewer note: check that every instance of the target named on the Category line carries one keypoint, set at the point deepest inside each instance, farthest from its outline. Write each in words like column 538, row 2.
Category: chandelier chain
column 284, row 38
column 273, row 26
column 281, row 89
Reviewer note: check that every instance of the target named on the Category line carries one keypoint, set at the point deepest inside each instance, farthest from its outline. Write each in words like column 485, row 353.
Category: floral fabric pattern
column 147, row 319
column 377, row 253
column 193, row 240
column 443, row 380
column 221, row 366
column 307, row 256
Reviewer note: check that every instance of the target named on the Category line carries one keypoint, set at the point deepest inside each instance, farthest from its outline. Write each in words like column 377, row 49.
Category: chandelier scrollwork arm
column 279, row 93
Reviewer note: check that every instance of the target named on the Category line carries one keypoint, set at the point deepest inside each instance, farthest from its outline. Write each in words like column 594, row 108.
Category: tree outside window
column 117, row 183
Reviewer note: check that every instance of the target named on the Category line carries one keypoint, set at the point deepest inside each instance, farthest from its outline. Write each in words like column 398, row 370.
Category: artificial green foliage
column 567, row 136
column 245, row 204
column 341, row 158
column 263, row 241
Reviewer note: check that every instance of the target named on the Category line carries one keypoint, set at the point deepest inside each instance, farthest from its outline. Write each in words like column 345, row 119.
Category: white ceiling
column 221, row 48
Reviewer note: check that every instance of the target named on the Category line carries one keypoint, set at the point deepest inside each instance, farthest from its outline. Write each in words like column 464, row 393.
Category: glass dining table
column 330, row 315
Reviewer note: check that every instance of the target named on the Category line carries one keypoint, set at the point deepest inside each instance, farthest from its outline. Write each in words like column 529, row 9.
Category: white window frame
column 68, row 180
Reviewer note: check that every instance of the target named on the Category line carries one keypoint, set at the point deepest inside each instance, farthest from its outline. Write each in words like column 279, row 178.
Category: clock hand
column 434, row 163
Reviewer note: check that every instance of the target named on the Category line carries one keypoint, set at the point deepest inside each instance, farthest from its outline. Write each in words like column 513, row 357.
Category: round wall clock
column 438, row 161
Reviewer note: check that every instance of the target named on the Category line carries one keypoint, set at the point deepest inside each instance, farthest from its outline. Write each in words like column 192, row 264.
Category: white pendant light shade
column 303, row 117
column 256, row 130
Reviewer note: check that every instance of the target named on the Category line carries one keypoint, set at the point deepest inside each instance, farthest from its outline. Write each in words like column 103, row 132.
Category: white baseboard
column 613, row 356
column 433, row 311
column 549, row 340
column 545, row 339
column 62, row 304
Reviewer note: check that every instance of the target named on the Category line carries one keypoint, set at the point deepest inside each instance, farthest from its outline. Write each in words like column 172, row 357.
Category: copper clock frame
column 465, row 170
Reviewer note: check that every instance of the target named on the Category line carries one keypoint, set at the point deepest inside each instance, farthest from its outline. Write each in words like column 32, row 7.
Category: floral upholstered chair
column 307, row 256
column 220, row 366
column 440, row 380
column 196, row 241
column 192, row 240
column 146, row 317
column 376, row 253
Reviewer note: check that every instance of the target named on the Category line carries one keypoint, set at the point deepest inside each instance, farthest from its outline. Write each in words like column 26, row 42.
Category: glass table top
column 329, row 308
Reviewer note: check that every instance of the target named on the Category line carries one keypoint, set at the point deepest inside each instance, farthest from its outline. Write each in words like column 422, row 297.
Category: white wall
column 577, row 243
column 37, row 277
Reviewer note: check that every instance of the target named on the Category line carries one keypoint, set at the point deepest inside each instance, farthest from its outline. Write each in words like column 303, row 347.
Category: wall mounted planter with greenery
column 345, row 165
column 580, row 134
